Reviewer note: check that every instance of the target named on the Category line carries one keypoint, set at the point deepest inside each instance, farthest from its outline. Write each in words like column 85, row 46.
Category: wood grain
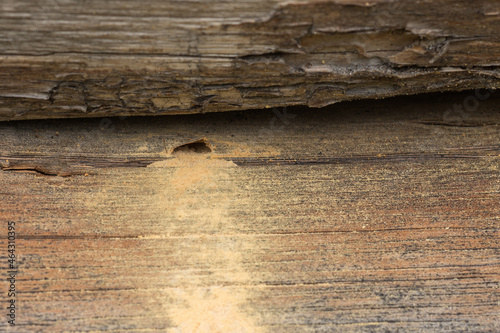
column 363, row 217
column 92, row 58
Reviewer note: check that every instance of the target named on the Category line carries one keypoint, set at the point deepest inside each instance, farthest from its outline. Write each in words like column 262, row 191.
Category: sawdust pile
column 196, row 192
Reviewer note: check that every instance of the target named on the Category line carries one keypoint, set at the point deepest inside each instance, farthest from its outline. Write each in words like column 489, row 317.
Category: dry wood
column 100, row 58
column 369, row 216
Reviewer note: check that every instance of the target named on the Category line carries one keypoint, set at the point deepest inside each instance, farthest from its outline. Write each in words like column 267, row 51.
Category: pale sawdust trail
column 199, row 199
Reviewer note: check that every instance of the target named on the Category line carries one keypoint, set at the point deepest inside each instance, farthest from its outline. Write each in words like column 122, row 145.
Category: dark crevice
column 457, row 124
column 201, row 146
column 45, row 171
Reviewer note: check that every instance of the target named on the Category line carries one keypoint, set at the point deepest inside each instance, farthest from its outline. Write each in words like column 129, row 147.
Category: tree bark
column 62, row 59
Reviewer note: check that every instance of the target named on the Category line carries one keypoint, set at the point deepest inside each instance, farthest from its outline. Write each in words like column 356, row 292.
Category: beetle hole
column 196, row 147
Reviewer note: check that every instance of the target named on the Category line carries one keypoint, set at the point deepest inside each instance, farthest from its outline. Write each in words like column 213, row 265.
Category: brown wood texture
column 372, row 216
column 64, row 58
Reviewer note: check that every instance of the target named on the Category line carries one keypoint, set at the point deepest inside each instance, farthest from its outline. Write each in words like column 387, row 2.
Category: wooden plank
column 322, row 224
column 93, row 58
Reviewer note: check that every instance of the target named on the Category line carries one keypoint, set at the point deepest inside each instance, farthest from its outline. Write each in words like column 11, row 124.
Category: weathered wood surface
column 64, row 58
column 369, row 216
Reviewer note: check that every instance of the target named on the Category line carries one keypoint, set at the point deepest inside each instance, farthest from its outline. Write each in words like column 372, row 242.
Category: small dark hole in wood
column 197, row 147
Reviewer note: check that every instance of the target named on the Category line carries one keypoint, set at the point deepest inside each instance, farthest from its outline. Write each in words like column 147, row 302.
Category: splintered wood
column 94, row 58
column 369, row 216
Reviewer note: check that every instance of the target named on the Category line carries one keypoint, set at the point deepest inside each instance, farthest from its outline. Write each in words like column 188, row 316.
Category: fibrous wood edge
column 66, row 59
